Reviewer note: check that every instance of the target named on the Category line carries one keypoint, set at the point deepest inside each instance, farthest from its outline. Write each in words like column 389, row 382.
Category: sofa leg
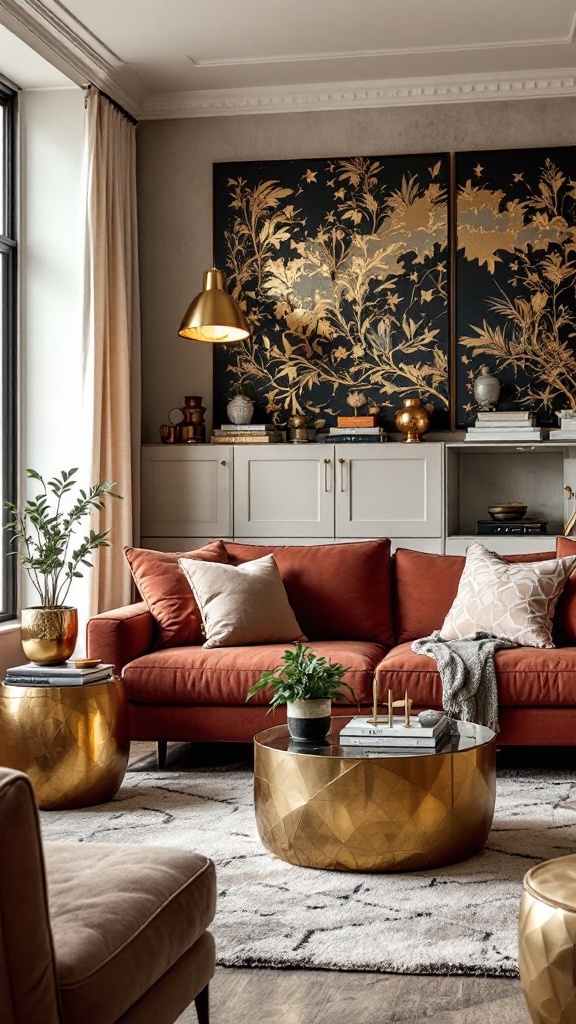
column 202, row 1007
column 162, row 750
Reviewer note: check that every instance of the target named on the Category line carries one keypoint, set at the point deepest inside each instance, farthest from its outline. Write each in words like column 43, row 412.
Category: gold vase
column 412, row 419
column 49, row 634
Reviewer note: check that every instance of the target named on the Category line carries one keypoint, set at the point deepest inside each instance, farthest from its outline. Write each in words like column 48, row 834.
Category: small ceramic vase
column 486, row 390
column 309, row 720
column 412, row 419
column 240, row 410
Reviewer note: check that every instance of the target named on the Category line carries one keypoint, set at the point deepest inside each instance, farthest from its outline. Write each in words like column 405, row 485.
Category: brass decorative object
column 389, row 813
column 356, row 399
column 547, row 941
column 49, row 635
column 406, row 704
column 213, row 315
column 412, row 419
column 73, row 741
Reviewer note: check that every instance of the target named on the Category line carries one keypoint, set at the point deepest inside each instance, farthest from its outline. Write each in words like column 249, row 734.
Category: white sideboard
column 426, row 496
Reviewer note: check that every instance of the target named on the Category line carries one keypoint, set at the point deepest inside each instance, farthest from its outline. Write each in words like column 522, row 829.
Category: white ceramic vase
column 240, row 410
column 309, row 720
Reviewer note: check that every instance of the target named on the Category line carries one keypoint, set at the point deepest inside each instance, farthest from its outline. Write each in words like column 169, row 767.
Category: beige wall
column 175, row 200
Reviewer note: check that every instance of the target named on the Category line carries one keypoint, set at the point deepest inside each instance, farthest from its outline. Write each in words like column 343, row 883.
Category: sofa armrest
column 120, row 635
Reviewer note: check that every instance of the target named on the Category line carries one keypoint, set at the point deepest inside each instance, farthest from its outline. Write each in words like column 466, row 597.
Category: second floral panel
column 516, row 277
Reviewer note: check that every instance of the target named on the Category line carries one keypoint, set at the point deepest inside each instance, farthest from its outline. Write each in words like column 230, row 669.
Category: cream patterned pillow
column 514, row 600
column 242, row 604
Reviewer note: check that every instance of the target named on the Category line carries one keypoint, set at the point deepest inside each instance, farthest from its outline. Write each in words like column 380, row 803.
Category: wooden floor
column 250, row 996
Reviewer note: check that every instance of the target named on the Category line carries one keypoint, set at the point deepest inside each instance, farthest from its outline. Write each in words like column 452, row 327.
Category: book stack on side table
column 505, row 426
column 396, row 738
column 247, row 433
column 57, row 675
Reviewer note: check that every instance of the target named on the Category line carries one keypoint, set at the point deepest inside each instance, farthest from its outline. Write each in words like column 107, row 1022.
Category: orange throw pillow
column 565, row 616
column 167, row 593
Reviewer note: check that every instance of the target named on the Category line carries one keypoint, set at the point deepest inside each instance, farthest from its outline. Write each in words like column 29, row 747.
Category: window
column 7, row 340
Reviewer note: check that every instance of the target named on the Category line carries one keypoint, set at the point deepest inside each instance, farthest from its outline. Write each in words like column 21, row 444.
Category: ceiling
column 166, row 58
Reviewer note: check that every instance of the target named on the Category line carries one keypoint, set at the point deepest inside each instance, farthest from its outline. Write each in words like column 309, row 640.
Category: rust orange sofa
column 356, row 604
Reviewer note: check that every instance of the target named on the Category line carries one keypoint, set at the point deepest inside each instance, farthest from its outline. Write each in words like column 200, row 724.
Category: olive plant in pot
column 43, row 534
column 307, row 683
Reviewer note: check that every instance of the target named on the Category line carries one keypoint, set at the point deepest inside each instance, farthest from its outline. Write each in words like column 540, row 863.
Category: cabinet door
column 284, row 491
column 186, row 491
column 389, row 490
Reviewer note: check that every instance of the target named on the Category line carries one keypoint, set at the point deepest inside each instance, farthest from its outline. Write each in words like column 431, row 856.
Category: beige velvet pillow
column 242, row 604
column 514, row 600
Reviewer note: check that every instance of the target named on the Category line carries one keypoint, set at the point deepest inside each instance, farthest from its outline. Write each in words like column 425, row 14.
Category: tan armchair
column 98, row 933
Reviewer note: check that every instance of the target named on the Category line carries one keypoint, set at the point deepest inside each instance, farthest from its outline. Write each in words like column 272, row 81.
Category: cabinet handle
column 326, row 464
column 569, row 492
column 342, row 462
column 223, row 462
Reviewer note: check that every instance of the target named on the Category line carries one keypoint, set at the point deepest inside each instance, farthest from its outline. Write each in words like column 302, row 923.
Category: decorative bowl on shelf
column 507, row 511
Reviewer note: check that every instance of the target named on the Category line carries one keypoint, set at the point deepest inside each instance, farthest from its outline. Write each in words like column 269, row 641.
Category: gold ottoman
column 72, row 741
column 348, row 809
column 547, row 941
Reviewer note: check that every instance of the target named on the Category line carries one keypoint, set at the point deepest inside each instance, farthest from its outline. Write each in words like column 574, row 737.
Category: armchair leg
column 161, row 753
column 202, row 1006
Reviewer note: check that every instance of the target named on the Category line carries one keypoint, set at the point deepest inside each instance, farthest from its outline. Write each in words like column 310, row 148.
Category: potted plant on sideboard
column 307, row 683
column 43, row 533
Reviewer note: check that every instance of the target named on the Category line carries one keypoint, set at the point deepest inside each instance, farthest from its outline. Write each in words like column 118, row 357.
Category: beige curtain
column 112, row 338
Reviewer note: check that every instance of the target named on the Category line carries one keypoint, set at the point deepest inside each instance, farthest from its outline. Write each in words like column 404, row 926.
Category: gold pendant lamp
column 214, row 315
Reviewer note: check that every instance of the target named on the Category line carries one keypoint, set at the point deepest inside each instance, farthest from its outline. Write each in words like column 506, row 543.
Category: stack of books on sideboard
column 359, row 429
column 515, row 425
column 248, row 433
column 398, row 738
column 66, row 674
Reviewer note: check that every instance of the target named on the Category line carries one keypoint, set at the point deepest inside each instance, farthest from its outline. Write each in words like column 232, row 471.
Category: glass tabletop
column 463, row 736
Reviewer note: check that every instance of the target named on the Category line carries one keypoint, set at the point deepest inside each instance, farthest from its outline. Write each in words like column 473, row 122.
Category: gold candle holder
column 406, row 703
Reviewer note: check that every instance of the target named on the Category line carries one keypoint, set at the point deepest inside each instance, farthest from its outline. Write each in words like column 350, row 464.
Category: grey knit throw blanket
column 466, row 667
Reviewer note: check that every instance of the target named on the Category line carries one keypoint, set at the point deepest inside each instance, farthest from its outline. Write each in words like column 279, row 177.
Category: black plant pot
column 309, row 720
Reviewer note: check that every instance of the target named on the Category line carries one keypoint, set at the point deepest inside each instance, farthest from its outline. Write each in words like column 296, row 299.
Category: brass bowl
column 507, row 512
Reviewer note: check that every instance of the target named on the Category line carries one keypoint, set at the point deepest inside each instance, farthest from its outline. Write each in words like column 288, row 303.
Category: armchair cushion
column 121, row 917
column 165, row 590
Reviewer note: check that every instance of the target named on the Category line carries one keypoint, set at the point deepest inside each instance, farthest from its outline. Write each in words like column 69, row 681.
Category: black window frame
column 8, row 312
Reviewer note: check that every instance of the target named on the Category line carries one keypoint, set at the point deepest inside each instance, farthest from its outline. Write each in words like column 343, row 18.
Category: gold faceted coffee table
column 73, row 741
column 332, row 807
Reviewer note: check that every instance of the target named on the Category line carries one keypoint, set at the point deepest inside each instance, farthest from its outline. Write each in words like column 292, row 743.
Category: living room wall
column 175, row 160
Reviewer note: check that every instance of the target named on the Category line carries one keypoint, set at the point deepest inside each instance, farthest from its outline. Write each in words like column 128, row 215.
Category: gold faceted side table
column 333, row 807
column 73, row 741
column 547, row 941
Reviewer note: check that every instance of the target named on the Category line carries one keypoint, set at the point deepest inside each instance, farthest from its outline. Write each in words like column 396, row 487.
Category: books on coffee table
column 361, row 732
column 57, row 675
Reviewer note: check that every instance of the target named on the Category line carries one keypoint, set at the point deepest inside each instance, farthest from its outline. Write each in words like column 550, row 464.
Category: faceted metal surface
column 547, row 941
column 73, row 741
column 393, row 813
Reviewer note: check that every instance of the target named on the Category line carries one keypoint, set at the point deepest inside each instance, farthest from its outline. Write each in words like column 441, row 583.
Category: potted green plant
column 43, row 534
column 307, row 683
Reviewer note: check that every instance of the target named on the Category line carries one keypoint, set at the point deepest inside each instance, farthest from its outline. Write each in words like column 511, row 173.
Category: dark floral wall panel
column 342, row 268
column 516, row 276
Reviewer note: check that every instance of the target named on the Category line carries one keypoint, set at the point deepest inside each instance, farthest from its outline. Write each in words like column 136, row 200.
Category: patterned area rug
column 457, row 920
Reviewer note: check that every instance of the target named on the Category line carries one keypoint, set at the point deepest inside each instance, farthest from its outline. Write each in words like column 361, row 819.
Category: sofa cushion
column 565, row 616
column 527, row 676
column 196, row 675
column 425, row 587
column 337, row 591
column 166, row 592
column 515, row 602
column 242, row 604
column 121, row 916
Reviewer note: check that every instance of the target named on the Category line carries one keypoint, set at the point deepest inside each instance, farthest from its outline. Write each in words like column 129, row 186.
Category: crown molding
column 335, row 96
column 84, row 55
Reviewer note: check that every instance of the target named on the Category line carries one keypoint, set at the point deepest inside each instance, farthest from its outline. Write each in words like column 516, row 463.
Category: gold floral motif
column 353, row 300
column 526, row 241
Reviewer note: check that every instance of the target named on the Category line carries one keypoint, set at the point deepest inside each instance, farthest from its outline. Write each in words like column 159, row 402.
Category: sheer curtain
column 112, row 338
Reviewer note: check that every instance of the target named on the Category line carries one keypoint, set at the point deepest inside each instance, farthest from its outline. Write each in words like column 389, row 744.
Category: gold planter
column 49, row 634
column 72, row 741
column 412, row 419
